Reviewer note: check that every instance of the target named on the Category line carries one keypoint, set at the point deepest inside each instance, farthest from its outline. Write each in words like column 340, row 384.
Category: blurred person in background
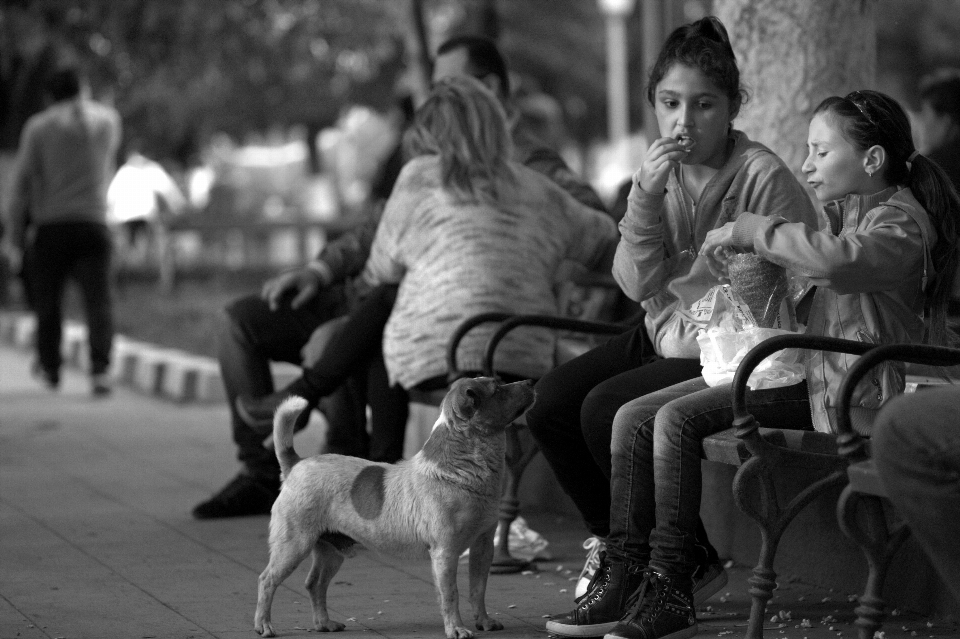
column 57, row 216
column 141, row 199
column 939, row 140
column 939, row 120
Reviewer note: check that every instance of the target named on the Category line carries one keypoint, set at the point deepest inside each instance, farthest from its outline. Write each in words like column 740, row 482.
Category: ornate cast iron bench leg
column 862, row 518
column 518, row 456
column 754, row 489
column 756, row 495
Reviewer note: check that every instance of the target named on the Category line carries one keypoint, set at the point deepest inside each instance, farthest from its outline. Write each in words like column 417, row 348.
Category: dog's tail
column 284, row 422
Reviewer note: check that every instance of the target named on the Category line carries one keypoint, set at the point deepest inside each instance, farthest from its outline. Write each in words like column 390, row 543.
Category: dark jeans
column 916, row 447
column 78, row 250
column 575, row 407
column 355, row 350
column 657, row 445
column 251, row 336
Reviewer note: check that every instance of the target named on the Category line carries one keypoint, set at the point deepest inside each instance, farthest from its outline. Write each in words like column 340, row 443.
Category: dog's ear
column 467, row 401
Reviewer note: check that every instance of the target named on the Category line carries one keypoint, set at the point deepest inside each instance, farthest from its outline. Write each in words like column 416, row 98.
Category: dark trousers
column 251, row 336
column 574, row 411
column 354, row 351
column 81, row 251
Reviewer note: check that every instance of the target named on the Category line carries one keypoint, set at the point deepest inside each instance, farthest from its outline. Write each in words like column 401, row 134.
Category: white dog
column 439, row 503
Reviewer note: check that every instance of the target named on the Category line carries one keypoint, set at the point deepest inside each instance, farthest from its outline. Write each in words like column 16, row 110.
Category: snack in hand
column 761, row 284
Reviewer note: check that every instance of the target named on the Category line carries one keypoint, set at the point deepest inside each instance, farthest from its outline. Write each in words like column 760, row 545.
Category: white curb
column 160, row 372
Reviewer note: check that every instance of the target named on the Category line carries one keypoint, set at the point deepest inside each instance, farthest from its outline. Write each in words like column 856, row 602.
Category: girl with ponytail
column 700, row 174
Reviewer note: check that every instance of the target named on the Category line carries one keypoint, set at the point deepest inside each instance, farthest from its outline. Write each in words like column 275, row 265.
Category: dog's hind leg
column 444, row 562
column 326, row 562
column 481, row 557
column 286, row 553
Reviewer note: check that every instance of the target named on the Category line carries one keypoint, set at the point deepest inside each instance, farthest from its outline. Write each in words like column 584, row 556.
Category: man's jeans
column 916, row 449
column 656, row 479
column 251, row 336
column 80, row 250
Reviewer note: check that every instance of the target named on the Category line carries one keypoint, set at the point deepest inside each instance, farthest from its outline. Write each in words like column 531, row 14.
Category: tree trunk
column 792, row 54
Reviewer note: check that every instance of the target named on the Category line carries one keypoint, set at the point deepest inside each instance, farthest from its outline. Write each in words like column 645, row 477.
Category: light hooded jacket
column 870, row 271
column 657, row 261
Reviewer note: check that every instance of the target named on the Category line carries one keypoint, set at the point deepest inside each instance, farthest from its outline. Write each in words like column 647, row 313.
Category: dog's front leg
column 444, row 562
column 481, row 557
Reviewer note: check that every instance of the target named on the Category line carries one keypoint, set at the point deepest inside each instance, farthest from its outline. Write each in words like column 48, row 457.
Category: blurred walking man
column 57, row 218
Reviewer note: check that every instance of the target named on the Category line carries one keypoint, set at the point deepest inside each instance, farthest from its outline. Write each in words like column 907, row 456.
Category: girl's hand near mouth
column 662, row 157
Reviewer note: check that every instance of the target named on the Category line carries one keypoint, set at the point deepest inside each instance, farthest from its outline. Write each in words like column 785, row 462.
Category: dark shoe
column 100, row 385
column 245, row 495
column 707, row 581
column 257, row 412
column 604, row 602
column 662, row 609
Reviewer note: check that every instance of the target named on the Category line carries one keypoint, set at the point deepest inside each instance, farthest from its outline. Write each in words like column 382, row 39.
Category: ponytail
column 936, row 194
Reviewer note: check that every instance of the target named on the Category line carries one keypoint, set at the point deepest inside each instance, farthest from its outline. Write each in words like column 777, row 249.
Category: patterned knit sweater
column 454, row 259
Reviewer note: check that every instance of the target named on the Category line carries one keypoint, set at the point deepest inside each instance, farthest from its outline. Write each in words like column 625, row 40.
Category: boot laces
column 639, row 604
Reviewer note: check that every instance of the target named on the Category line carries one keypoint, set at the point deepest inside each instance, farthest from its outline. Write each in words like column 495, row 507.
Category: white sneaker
column 594, row 546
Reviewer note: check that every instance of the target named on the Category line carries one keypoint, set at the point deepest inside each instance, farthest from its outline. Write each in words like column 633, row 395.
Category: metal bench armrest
column 548, row 321
column 746, row 426
column 850, row 443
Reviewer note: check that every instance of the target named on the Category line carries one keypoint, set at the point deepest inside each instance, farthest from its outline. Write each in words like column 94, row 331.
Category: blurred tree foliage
column 179, row 70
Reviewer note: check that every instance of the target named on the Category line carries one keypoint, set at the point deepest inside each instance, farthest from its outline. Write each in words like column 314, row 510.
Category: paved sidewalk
column 96, row 539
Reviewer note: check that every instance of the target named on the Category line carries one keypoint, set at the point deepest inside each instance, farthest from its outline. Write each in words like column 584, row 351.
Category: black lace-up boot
column 604, row 603
column 662, row 608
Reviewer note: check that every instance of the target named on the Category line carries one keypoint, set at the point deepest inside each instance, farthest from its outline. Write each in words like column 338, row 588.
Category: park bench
column 810, row 459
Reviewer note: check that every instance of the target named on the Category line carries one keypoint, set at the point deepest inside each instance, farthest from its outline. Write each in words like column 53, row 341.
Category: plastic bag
column 721, row 352
column 730, row 331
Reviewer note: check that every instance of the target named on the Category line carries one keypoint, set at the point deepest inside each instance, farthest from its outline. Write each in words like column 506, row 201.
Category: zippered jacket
column 657, row 262
column 871, row 267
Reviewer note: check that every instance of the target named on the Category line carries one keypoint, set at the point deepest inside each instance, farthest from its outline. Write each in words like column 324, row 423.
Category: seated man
column 253, row 491
column 467, row 230
column 275, row 326
column 472, row 56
